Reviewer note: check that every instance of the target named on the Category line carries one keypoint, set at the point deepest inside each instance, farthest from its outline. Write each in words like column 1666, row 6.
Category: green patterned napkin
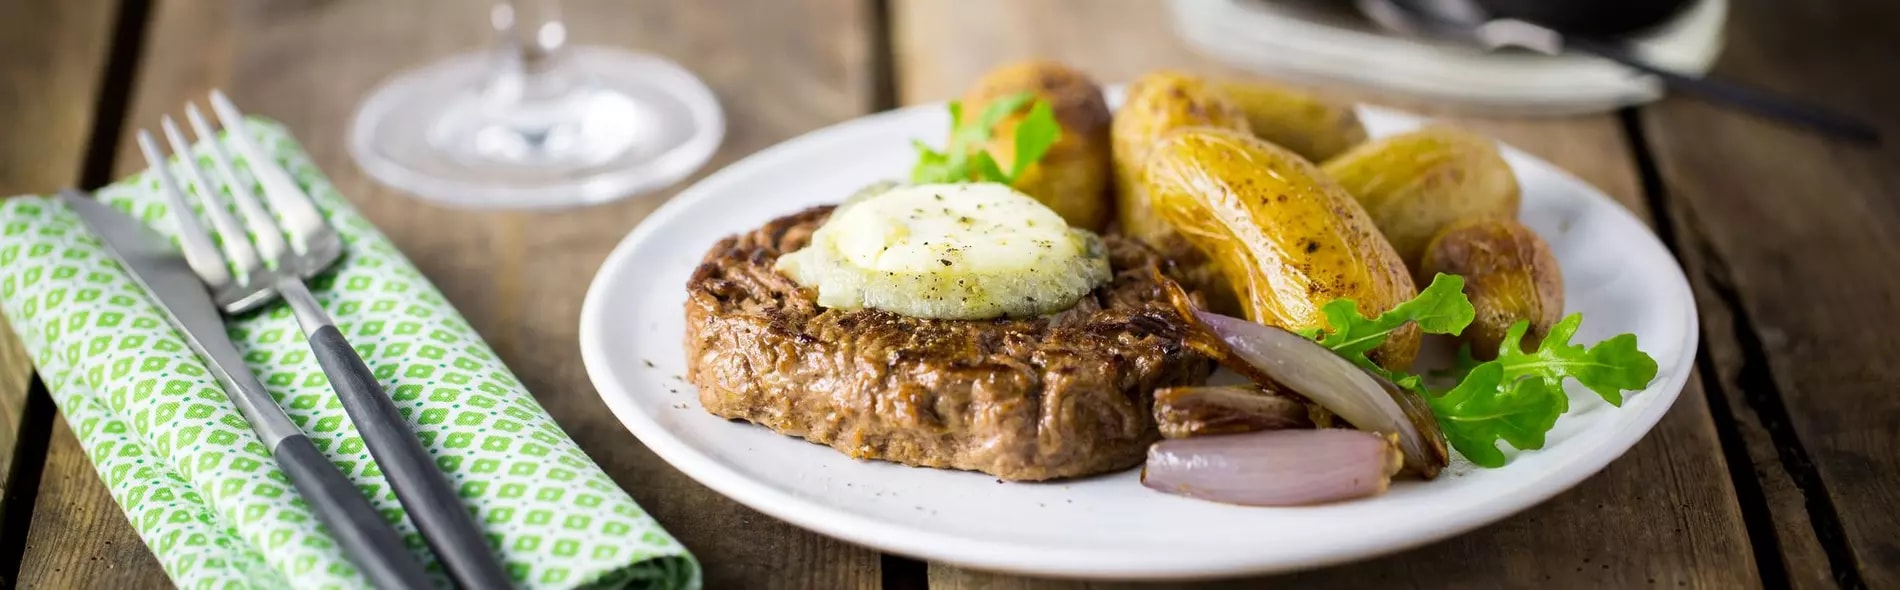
column 198, row 485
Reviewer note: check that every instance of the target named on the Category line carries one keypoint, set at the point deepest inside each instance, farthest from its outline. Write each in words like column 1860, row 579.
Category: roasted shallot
column 1183, row 412
column 1274, row 468
column 1271, row 355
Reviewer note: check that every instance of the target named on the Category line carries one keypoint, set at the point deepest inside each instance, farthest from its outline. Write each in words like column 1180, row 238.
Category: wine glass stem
column 532, row 35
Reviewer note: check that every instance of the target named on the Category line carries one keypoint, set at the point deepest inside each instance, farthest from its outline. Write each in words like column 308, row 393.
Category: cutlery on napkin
column 554, row 517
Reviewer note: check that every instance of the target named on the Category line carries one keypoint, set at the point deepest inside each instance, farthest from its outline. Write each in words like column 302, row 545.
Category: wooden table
column 1779, row 465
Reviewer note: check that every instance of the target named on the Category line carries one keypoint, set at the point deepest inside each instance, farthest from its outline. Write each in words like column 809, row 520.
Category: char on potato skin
column 1416, row 184
column 1510, row 275
column 1157, row 104
column 1065, row 395
column 1284, row 234
column 1072, row 178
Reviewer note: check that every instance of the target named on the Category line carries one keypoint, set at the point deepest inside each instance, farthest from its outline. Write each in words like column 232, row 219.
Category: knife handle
column 371, row 543
column 425, row 493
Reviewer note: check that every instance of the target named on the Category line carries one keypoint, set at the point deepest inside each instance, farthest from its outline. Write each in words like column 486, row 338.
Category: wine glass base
column 630, row 123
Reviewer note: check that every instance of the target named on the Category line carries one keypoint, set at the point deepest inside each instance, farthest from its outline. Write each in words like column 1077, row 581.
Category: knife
column 369, row 540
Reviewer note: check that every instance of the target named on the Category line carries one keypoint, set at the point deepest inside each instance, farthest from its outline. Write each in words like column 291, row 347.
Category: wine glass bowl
column 535, row 124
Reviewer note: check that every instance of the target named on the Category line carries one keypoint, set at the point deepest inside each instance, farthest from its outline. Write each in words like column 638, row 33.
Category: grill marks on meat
column 1025, row 399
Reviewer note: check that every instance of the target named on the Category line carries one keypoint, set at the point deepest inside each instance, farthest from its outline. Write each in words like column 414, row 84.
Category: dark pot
column 1593, row 18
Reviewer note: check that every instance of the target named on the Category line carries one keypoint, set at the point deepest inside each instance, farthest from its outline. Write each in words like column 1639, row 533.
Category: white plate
column 1615, row 271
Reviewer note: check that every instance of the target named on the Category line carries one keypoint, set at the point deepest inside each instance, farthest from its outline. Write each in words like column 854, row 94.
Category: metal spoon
column 1467, row 21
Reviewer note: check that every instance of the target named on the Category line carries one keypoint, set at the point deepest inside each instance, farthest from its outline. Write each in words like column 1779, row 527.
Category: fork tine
column 237, row 247
column 264, row 232
column 200, row 253
column 299, row 213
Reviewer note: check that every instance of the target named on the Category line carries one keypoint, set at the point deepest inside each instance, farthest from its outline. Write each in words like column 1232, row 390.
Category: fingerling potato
column 1156, row 104
column 1283, row 234
column 1415, row 184
column 1306, row 124
column 1072, row 178
column 1510, row 275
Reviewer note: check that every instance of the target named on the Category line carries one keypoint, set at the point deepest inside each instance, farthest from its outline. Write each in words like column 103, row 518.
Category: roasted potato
column 1282, row 233
column 1510, row 275
column 1415, row 184
column 1311, row 127
column 1156, row 104
column 1073, row 177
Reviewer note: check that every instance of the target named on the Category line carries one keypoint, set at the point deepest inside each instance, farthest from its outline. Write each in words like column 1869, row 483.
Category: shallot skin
column 1270, row 355
column 1186, row 412
column 1275, row 468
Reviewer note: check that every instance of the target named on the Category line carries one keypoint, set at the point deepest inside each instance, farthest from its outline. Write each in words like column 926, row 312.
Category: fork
column 269, row 267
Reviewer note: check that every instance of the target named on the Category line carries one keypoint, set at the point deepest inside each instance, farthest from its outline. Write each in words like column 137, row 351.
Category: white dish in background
column 1615, row 271
column 1331, row 42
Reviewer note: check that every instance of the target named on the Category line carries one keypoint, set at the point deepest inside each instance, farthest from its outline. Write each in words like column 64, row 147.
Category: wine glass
column 536, row 124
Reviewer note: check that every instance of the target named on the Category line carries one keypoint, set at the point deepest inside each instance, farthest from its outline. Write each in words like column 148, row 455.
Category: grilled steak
column 1026, row 399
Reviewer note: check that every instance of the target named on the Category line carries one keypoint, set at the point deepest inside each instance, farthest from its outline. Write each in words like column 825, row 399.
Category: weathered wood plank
column 1665, row 514
column 51, row 58
column 74, row 505
column 780, row 68
column 52, row 55
column 1792, row 234
column 1778, row 514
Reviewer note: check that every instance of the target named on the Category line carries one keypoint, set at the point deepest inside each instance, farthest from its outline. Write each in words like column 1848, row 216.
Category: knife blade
column 162, row 271
column 369, row 540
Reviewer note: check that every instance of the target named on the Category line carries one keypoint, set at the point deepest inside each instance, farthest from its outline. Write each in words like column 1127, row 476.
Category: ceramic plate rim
column 1039, row 560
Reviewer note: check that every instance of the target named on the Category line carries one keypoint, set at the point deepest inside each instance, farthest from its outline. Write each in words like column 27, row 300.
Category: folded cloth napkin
column 198, row 485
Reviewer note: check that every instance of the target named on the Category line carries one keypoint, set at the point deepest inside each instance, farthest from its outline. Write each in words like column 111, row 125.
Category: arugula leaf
column 1034, row 136
column 1515, row 398
column 929, row 164
column 1608, row 368
column 1461, row 365
column 1489, row 405
column 1441, row 308
column 995, row 113
column 1518, row 396
column 965, row 158
column 986, row 169
column 933, row 165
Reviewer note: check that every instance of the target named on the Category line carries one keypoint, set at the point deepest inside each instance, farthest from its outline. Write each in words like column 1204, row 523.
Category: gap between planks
column 1760, row 525
column 897, row 571
column 780, row 67
column 1782, row 233
column 34, row 437
column 1687, row 517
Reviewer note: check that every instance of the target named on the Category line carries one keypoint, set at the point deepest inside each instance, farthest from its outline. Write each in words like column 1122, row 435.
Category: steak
column 1064, row 395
